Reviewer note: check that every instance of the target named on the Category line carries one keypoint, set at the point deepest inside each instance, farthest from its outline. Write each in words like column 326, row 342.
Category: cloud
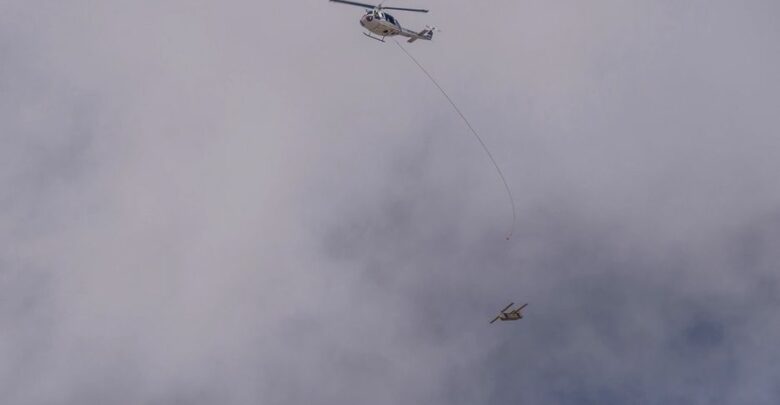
column 245, row 202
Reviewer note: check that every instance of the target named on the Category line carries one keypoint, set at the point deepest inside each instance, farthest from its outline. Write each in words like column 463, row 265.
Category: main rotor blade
column 517, row 311
column 507, row 307
column 417, row 10
column 494, row 319
column 352, row 3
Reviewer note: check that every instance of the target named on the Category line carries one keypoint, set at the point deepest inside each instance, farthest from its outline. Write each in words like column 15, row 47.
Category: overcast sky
column 249, row 202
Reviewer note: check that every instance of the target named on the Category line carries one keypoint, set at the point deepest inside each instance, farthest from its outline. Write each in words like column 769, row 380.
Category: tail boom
column 426, row 34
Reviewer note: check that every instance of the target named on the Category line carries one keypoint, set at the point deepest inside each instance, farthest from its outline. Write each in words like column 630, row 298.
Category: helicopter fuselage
column 377, row 21
column 510, row 316
column 381, row 24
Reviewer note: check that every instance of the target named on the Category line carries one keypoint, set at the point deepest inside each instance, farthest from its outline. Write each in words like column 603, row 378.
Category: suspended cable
column 476, row 135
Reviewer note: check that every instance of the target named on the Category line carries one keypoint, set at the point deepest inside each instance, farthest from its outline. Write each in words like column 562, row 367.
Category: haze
column 249, row 202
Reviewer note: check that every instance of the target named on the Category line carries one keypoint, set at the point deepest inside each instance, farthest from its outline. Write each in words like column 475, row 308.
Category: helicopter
column 512, row 315
column 378, row 22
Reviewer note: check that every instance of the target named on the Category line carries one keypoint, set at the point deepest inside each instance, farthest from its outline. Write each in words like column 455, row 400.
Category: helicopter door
column 391, row 19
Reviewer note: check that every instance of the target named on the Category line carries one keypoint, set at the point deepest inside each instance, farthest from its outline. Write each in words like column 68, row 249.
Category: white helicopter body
column 379, row 22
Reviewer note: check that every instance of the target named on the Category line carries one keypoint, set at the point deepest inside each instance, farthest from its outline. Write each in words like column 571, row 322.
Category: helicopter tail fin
column 426, row 34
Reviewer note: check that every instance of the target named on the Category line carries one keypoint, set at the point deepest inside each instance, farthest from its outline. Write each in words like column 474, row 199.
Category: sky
column 250, row 202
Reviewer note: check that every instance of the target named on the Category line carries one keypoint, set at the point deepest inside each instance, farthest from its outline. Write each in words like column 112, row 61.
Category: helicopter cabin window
column 390, row 18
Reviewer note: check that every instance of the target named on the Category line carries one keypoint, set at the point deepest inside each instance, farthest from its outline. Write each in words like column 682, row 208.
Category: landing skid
column 373, row 37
